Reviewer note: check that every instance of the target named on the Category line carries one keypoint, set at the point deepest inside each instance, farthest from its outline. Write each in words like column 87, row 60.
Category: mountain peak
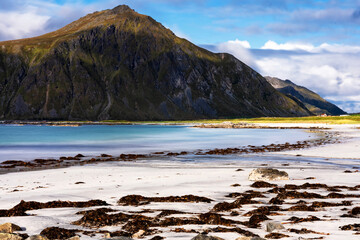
column 121, row 17
column 103, row 18
column 121, row 9
column 120, row 64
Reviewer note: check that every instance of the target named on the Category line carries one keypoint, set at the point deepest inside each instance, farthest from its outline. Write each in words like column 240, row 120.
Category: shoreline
column 348, row 148
column 335, row 138
column 338, row 142
column 244, row 125
column 79, row 159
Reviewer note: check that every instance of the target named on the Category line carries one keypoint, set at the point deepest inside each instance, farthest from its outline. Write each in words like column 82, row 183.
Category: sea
column 27, row 142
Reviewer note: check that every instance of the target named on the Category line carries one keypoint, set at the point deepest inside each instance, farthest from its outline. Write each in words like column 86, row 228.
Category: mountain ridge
column 119, row 64
column 311, row 100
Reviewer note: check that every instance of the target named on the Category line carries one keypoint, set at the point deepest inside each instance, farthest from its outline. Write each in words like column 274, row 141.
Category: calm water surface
column 29, row 142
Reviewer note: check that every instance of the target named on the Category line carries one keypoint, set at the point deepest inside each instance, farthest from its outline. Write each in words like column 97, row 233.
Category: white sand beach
column 111, row 181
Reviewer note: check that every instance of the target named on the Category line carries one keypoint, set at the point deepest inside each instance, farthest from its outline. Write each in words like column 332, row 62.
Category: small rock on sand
column 205, row 237
column 271, row 226
column 9, row 228
column 267, row 174
column 107, row 235
column 138, row 234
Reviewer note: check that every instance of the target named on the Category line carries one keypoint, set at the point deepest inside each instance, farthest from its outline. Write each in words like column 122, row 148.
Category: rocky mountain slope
column 119, row 64
column 312, row 101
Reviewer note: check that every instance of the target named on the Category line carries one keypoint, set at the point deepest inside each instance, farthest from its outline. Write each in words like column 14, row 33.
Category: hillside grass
column 351, row 119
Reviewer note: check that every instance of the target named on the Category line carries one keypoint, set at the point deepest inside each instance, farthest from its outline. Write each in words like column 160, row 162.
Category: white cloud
column 339, row 48
column 287, row 46
column 237, row 42
column 240, row 49
column 348, row 106
column 17, row 25
column 330, row 70
column 36, row 17
column 307, row 47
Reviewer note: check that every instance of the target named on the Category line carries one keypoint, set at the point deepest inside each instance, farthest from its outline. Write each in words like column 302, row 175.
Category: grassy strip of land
column 351, row 119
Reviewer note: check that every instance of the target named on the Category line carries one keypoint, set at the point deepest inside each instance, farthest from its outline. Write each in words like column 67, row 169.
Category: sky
column 313, row 43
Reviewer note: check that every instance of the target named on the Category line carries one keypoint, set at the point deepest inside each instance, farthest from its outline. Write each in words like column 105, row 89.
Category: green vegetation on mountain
column 345, row 119
column 119, row 64
column 312, row 101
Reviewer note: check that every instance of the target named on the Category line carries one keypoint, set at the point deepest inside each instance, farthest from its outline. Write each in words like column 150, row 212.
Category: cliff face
column 118, row 64
column 311, row 100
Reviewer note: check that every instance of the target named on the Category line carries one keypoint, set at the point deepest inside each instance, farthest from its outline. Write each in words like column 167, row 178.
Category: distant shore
column 348, row 148
column 337, row 120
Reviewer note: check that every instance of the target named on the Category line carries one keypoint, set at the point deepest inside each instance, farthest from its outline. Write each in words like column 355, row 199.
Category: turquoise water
column 29, row 141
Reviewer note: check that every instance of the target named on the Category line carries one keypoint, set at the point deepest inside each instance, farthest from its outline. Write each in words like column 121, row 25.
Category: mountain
column 312, row 101
column 119, row 64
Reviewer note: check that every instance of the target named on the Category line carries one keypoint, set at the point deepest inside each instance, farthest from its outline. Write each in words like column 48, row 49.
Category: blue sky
column 313, row 43
column 257, row 21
